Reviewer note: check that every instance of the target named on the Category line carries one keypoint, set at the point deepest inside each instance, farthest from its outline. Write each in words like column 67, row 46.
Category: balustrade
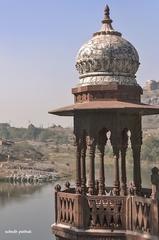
column 107, row 212
column 131, row 213
column 71, row 209
column 141, row 214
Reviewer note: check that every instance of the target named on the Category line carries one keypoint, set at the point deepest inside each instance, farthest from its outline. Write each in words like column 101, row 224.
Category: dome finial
column 107, row 25
column 107, row 15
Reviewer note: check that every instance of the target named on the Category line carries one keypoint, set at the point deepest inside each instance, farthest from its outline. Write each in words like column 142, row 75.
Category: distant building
column 151, row 85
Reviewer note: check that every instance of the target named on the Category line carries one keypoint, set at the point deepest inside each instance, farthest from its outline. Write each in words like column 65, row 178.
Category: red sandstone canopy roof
column 125, row 107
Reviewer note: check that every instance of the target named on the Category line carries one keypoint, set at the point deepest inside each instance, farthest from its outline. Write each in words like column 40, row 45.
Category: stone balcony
column 83, row 216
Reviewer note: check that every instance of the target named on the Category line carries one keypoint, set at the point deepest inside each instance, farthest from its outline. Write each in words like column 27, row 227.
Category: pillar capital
column 91, row 141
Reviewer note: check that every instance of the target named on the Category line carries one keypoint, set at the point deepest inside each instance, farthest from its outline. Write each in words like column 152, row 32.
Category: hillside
column 36, row 151
column 56, row 134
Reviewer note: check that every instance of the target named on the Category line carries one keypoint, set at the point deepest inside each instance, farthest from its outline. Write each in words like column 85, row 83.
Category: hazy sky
column 39, row 40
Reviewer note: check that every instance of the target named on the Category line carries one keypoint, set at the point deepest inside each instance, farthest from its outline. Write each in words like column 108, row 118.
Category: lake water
column 29, row 209
column 26, row 213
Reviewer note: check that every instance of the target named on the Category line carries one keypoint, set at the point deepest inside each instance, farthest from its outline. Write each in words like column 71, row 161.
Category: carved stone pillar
column 78, row 165
column 102, row 139
column 123, row 172
column 137, row 168
column 83, row 163
column 115, row 142
column 136, row 142
column 91, row 183
column 116, row 170
column 124, row 146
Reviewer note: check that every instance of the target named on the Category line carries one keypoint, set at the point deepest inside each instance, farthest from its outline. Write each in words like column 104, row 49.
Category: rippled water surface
column 26, row 212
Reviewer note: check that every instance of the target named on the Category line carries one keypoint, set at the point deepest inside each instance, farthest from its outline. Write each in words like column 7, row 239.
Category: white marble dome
column 107, row 57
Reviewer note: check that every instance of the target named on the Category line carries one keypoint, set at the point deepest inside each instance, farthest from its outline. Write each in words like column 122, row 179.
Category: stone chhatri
column 107, row 108
column 107, row 57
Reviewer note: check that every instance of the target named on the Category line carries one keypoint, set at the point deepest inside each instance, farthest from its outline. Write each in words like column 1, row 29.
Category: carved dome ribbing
column 107, row 57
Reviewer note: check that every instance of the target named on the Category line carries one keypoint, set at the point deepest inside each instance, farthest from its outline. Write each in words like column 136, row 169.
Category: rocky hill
column 35, row 151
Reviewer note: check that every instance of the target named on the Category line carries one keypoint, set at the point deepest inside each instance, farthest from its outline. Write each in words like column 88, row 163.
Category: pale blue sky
column 39, row 40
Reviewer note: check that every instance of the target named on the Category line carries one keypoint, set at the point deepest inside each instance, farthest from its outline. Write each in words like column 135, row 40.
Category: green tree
column 150, row 149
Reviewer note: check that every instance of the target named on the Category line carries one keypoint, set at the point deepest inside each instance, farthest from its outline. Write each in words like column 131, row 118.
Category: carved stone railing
column 66, row 208
column 129, row 214
column 104, row 212
column 107, row 212
column 71, row 209
column 143, row 215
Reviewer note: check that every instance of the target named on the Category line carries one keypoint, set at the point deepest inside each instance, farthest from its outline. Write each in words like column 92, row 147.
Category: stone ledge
column 64, row 232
